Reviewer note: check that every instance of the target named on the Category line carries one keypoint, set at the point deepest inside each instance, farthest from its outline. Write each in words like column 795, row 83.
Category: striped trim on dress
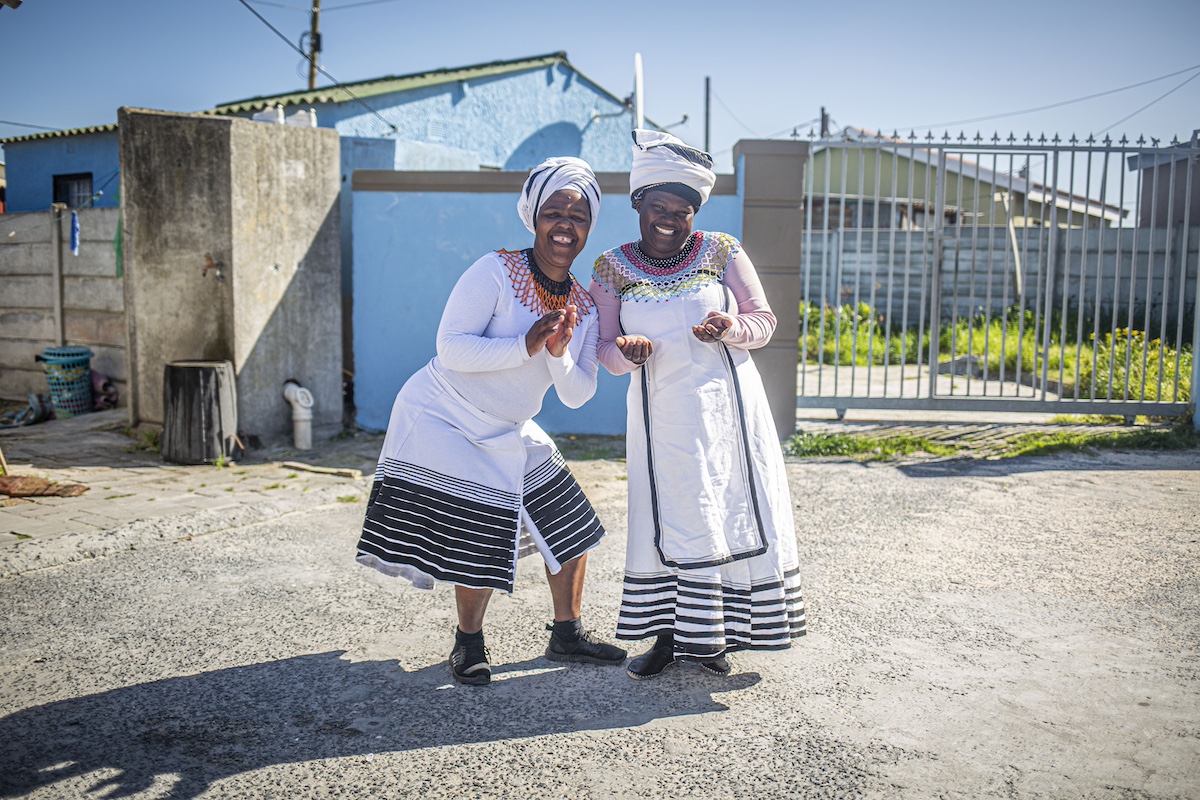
column 560, row 511
column 448, row 528
column 707, row 616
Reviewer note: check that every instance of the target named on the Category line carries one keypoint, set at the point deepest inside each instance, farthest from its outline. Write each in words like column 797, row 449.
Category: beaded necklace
column 553, row 294
column 664, row 266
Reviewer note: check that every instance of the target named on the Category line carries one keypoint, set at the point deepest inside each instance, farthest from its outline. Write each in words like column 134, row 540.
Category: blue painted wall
column 32, row 166
column 511, row 121
column 410, row 249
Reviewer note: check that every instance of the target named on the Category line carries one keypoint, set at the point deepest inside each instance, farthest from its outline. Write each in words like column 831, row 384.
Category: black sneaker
column 469, row 663
column 652, row 663
column 586, row 649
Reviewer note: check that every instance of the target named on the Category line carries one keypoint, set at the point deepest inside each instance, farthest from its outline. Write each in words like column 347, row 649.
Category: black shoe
column 586, row 649
column 469, row 662
column 652, row 663
column 717, row 665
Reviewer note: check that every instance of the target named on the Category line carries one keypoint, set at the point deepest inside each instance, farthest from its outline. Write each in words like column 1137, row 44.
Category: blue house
column 504, row 115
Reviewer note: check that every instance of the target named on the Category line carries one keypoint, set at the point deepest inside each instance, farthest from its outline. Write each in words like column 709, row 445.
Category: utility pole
column 824, row 124
column 707, row 109
column 314, row 44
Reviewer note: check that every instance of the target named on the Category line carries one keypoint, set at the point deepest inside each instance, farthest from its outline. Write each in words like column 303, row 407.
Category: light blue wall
column 511, row 121
column 410, row 249
column 32, row 166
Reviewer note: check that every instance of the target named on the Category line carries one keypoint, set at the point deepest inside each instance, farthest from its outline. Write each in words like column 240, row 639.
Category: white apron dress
column 461, row 492
column 711, row 556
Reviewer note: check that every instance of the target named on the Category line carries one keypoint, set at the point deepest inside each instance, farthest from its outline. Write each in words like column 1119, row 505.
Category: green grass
column 590, row 447
column 810, row 445
column 1179, row 437
column 348, row 498
column 855, row 335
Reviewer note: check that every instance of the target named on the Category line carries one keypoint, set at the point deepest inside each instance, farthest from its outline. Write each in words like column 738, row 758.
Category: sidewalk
column 134, row 497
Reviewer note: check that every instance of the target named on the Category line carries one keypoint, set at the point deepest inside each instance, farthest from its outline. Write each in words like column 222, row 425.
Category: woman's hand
column 714, row 327
column 541, row 331
column 635, row 348
column 561, row 337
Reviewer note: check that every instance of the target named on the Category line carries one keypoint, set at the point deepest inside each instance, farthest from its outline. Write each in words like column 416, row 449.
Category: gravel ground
column 1026, row 629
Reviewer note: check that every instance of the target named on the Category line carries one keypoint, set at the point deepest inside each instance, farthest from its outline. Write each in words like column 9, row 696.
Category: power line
column 27, row 125
column 1054, row 105
column 363, row 3
column 735, row 118
column 320, row 69
column 1152, row 102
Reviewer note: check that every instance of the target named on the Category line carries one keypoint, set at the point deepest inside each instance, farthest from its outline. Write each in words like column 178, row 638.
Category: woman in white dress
column 466, row 481
column 711, row 565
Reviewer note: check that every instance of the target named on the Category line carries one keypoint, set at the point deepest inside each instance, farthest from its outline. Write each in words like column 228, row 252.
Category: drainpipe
column 301, row 400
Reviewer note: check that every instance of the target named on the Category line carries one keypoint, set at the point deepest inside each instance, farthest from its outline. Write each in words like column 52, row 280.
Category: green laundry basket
column 69, row 374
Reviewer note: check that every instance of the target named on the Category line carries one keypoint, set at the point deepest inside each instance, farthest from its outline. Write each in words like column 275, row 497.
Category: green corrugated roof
column 363, row 89
column 54, row 134
column 390, row 83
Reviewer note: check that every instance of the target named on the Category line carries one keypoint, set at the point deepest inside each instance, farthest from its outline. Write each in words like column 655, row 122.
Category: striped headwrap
column 552, row 175
column 660, row 161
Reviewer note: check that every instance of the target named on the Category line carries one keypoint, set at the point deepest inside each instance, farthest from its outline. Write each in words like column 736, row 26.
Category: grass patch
column 1100, row 366
column 273, row 486
column 348, row 498
column 814, row 445
column 1178, row 437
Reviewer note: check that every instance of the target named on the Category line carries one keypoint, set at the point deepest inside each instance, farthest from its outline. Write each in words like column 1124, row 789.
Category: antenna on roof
column 639, row 115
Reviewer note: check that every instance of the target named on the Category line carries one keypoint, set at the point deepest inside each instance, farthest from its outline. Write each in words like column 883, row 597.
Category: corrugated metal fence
column 1000, row 274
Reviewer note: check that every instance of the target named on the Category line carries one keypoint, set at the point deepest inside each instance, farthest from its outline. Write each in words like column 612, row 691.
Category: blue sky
column 773, row 64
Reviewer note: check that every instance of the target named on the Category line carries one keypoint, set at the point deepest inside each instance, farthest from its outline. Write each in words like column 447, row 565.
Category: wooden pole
column 314, row 44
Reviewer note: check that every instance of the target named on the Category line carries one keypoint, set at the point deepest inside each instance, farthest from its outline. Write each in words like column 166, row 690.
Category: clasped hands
column 637, row 348
column 553, row 331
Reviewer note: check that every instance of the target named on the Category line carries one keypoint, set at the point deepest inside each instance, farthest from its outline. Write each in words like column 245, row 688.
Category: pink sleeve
column 754, row 323
column 608, row 305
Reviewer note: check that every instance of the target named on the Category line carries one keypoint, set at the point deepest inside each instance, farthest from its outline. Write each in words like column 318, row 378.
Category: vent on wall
column 436, row 131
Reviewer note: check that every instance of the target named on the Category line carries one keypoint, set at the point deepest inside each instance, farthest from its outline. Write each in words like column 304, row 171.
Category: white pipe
column 301, row 400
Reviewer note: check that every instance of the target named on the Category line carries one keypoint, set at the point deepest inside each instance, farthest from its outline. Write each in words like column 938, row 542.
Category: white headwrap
column 660, row 158
column 552, row 175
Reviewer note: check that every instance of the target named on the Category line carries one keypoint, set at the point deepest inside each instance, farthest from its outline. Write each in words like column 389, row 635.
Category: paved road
column 1004, row 629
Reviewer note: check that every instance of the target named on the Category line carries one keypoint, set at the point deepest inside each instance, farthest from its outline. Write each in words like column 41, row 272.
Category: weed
column 348, row 498
column 273, row 486
column 1178, row 437
column 809, row 445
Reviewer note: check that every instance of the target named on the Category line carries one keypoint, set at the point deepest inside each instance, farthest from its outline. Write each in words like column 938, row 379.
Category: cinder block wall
column 93, row 297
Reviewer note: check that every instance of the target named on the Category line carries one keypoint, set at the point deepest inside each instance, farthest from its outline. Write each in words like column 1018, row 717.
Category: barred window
column 74, row 190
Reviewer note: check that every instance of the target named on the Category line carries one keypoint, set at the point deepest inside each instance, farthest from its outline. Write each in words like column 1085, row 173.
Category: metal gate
column 1008, row 275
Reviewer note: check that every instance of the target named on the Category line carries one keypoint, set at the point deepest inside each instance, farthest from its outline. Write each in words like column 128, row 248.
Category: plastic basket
column 69, row 375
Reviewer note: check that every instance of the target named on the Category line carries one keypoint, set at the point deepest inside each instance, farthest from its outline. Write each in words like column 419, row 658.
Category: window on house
column 74, row 190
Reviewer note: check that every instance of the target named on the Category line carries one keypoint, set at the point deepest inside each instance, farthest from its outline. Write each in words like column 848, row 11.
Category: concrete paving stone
column 33, row 510
column 101, row 521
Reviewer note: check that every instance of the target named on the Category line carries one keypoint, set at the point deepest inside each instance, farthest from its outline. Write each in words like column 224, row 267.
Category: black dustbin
column 199, row 412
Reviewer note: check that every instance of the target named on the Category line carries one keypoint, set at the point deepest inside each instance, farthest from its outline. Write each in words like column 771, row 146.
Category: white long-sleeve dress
column 712, row 555
column 464, row 469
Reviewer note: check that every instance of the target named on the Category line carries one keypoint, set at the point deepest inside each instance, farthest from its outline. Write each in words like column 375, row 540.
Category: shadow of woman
column 195, row 730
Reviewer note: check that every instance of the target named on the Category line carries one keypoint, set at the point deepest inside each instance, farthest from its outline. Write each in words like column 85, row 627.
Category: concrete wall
column 416, row 233
column 33, row 164
column 231, row 243
column 92, row 297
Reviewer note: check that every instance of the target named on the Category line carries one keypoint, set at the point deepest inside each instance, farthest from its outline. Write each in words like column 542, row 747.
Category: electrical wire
column 735, row 118
column 1152, row 102
column 355, row 5
column 1054, row 105
column 320, row 69
column 27, row 125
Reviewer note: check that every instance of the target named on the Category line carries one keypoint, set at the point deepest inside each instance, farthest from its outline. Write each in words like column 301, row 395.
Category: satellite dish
column 639, row 116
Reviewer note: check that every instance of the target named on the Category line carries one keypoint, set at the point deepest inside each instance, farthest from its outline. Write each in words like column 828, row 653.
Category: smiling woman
column 711, row 563
column 467, row 482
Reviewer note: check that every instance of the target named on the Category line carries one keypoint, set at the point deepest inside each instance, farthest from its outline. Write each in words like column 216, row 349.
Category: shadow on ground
column 196, row 730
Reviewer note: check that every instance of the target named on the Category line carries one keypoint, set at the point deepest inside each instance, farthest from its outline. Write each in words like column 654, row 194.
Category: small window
column 74, row 190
